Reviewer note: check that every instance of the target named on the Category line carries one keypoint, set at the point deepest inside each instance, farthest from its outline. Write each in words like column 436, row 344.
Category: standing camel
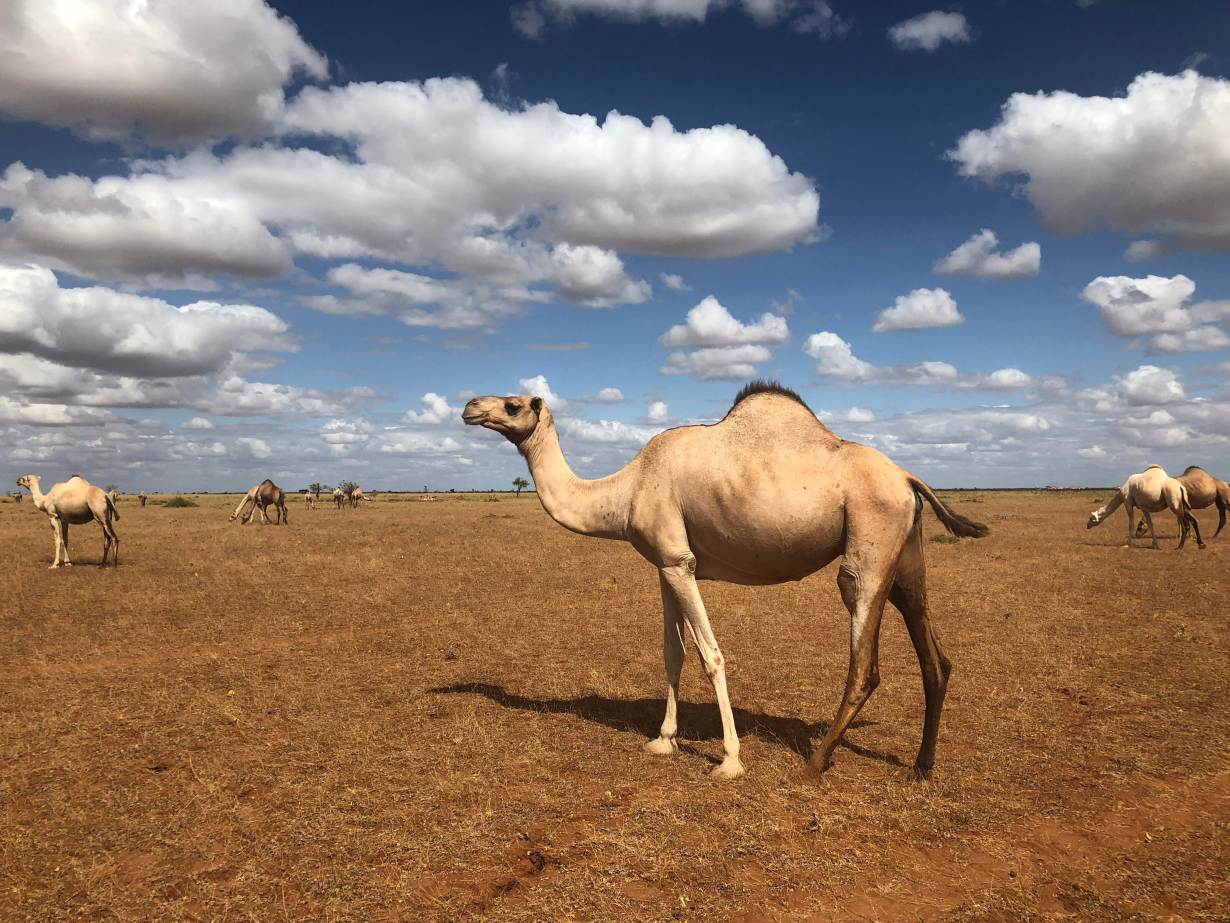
column 339, row 497
column 1203, row 490
column 17, row 496
column 75, row 502
column 141, row 498
column 1152, row 490
column 764, row 496
column 309, row 500
column 356, row 497
column 263, row 495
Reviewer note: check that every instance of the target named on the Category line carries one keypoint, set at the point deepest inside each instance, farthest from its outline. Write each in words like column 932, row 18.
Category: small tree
column 520, row 484
column 110, row 488
column 347, row 487
column 314, row 489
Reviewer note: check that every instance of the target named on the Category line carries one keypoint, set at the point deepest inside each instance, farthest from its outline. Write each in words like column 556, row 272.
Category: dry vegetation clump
column 435, row 712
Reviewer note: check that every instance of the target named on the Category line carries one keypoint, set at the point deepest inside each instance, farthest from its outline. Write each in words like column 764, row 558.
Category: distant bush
column 945, row 539
column 179, row 502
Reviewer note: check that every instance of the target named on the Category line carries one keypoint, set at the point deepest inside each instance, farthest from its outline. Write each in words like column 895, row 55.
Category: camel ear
column 536, row 404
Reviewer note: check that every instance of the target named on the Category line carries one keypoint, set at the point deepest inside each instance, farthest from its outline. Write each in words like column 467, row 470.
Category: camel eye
column 511, row 409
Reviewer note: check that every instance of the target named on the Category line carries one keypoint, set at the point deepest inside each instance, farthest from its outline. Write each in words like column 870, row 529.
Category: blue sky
column 290, row 239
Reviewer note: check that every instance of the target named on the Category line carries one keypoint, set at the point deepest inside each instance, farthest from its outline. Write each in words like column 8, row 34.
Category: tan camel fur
column 264, row 495
column 1152, row 491
column 309, row 500
column 1203, row 491
column 75, row 502
column 142, row 498
column 767, row 495
column 356, row 497
column 113, row 496
column 339, row 497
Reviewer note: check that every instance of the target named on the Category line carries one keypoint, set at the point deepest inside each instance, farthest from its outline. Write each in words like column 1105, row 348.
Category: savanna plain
column 435, row 711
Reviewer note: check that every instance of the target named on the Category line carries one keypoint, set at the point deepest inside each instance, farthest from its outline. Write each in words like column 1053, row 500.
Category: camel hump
column 1158, row 467
column 761, row 386
column 1190, row 468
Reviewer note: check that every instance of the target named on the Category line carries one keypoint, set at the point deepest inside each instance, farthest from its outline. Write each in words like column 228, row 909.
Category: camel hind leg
column 111, row 541
column 864, row 579
column 909, row 595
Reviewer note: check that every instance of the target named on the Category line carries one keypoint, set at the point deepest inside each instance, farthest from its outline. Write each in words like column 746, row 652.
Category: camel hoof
column 1201, row 545
column 920, row 773
column 662, row 746
column 729, row 768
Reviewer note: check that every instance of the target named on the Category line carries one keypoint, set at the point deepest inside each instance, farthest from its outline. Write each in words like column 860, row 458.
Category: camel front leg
column 1190, row 522
column 64, row 562
column 1128, row 508
column 59, row 543
column 1152, row 534
column 680, row 581
column 672, row 654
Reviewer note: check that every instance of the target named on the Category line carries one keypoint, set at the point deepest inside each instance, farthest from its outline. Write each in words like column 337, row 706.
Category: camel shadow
column 696, row 721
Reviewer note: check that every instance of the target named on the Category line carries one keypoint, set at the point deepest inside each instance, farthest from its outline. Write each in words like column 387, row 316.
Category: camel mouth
column 474, row 419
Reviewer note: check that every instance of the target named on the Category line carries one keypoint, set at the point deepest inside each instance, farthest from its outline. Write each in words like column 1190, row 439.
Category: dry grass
column 435, row 711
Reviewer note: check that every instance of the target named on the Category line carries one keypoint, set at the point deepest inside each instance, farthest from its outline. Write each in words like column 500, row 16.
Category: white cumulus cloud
column 921, row 308
column 1152, row 161
column 100, row 328
column 163, row 69
column 711, row 324
column 928, row 31
column 727, row 363
column 978, row 257
column 1156, row 307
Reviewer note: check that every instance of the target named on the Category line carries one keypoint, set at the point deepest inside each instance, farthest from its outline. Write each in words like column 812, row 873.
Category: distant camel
column 1203, row 490
column 309, row 500
column 767, row 495
column 75, row 502
column 17, row 496
column 339, row 497
column 1153, row 490
column 356, row 497
column 263, row 495
column 113, row 495
column 141, row 498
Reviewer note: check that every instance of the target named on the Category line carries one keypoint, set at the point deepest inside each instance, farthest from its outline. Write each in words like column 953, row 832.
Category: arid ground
column 435, row 711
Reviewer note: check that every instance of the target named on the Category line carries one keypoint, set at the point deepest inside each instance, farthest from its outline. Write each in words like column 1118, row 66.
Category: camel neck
column 598, row 507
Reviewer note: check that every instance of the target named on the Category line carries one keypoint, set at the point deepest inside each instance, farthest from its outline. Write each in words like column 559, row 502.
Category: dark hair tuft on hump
column 760, row 386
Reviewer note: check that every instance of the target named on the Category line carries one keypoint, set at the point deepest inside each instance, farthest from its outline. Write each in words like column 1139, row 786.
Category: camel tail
column 115, row 513
column 953, row 522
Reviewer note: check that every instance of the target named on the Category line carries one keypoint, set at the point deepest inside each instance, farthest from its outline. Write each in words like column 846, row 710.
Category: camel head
column 1094, row 518
column 515, row 416
column 28, row 481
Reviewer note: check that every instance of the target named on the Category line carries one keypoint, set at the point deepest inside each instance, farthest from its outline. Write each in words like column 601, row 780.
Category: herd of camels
column 766, row 495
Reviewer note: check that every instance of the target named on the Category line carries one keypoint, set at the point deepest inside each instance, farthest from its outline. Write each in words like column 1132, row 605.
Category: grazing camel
column 1203, row 490
column 1152, row 490
column 141, row 498
column 309, row 500
column 339, row 497
column 261, row 497
column 356, row 497
column 75, row 502
column 764, row 496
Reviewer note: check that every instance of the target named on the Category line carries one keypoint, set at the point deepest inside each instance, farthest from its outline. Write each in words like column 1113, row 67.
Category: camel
column 263, row 495
column 75, row 502
column 309, row 500
column 141, row 498
column 113, row 496
column 356, row 497
column 1152, row 490
column 17, row 496
column 339, row 497
column 1203, row 490
column 766, row 495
